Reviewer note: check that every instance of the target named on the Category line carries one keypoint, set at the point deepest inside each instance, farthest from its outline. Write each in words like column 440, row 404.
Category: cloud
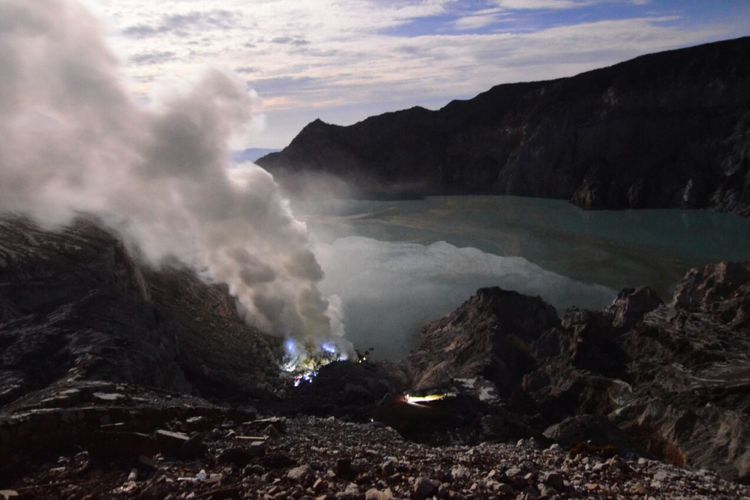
column 478, row 20
column 181, row 24
column 147, row 58
column 544, row 4
column 341, row 60
column 288, row 40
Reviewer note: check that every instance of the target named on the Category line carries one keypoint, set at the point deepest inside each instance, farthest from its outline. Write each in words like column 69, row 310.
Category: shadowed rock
column 674, row 377
column 75, row 306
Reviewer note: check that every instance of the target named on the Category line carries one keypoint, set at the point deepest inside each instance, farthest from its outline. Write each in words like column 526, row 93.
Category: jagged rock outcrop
column 673, row 377
column 670, row 129
column 491, row 336
column 74, row 306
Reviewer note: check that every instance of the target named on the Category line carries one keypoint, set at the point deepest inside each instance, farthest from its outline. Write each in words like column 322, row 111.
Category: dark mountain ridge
column 670, row 129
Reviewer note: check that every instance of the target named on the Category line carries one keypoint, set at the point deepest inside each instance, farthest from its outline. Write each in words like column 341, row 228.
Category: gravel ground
column 326, row 458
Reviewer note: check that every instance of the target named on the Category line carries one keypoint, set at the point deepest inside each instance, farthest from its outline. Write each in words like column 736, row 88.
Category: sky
column 344, row 60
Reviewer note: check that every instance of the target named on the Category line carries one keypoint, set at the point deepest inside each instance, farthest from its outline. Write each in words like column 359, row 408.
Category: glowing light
column 303, row 362
column 417, row 400
column 290, row 346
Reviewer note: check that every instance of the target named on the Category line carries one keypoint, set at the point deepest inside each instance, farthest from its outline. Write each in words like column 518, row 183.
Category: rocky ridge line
column 670, row 129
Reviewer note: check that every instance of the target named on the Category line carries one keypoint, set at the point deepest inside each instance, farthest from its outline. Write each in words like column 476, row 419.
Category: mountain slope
column 663, row 130
column 673, row 377
column 74, row 306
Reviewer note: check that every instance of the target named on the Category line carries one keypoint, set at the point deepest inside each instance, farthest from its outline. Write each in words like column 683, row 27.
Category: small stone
column 546, row 491
column 108, row 397
column 197, row 423
column 554, row 480
column 170, row 443
column 351, row 490
column 375, row 494
column 661, row 475
column 319, row 485
column 554, row 447
column 459, row 472
column 513, row 472
column 505, row 489
column 299, row 474
column 389, row 467
column 253, row 469
column 638, row 489
column 425, row 487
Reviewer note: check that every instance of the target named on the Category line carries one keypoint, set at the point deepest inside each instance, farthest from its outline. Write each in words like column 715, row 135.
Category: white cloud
column 544, row 4
column 478, row 19
column 341, row 59
column 558, row 4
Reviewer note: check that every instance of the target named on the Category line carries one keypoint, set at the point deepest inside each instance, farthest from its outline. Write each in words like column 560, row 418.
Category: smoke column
column 74, row 141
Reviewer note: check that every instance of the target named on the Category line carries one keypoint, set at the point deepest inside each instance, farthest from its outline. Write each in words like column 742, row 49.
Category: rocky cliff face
column 671, row 378
column 74, row 306
column 664, row 130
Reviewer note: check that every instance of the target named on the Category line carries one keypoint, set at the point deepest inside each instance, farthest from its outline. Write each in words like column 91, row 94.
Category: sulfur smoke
column 74, row 141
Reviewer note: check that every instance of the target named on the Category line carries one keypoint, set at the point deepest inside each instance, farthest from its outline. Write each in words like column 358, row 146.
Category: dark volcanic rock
column 75, row 306
column 490, row 336
column 663, row 130
column 673, row 377
column 590, row 429
column 342, row 388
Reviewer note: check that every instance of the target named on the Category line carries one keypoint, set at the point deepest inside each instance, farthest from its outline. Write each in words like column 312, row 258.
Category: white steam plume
column 74, row 141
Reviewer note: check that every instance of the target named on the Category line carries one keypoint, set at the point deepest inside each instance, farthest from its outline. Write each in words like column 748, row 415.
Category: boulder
column 490, row 336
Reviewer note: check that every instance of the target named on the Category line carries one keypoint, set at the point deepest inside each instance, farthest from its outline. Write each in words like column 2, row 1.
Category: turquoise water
column 401, row 263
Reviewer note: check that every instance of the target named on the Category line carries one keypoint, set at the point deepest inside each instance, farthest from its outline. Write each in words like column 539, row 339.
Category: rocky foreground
column 117, row 379
column 670, row 379
column 326, row 458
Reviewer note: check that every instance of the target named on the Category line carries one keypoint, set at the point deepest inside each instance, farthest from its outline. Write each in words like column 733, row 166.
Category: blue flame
column 290, row 346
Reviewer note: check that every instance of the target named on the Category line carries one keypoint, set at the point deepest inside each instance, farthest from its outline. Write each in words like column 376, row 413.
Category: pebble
column 328, row 459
